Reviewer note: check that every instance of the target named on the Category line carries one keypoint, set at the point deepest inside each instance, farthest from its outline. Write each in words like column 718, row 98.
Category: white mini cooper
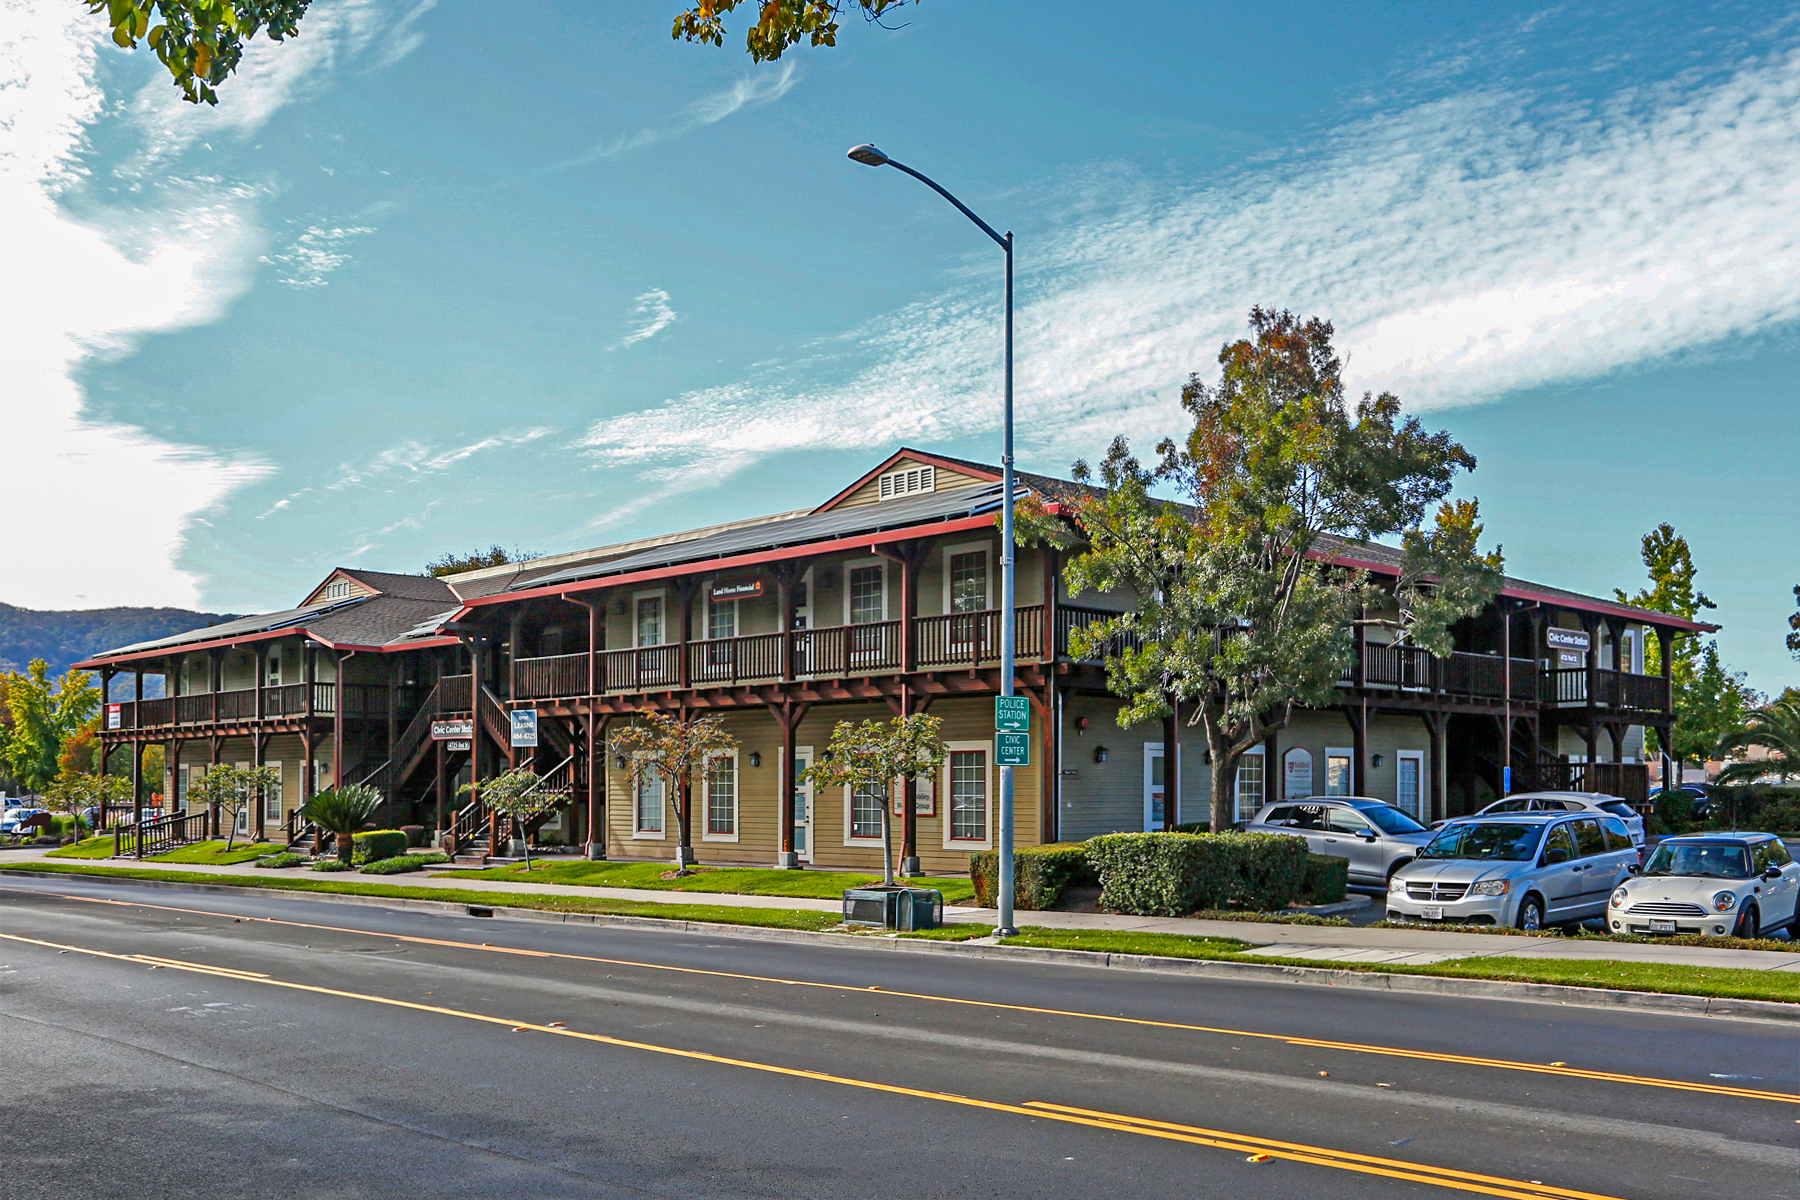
column 1711, row 883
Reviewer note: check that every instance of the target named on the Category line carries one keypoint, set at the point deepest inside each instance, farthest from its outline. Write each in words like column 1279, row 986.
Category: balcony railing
column 239, row 704
column 1565, row 687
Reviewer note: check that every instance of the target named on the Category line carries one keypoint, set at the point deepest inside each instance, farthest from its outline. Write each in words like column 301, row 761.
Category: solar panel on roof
column 259, row 623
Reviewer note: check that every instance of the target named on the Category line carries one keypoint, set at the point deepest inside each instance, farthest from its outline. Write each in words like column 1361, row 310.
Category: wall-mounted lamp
column 620, row 762
column 756, row 758
column 1374, row 760
column 1099, row 754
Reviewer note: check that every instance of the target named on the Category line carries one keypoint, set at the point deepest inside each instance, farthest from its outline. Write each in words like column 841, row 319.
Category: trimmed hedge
column 1327, row 878
column 1040, row 874
column 1173, row 874
column 277, row 862
column 401, row 863
column 377, row 845
column 1761, row 806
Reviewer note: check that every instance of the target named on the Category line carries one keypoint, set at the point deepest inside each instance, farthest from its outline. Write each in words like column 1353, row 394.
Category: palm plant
column 1775, row 728
column 341, row 811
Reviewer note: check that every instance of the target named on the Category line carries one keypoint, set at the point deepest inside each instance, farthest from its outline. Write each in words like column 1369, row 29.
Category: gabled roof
column 406, row 587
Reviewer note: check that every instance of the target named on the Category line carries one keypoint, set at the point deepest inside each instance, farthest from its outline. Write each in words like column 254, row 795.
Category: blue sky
column 426, row 280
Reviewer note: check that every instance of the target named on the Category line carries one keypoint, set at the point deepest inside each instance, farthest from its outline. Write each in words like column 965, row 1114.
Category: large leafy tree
column 1793, row 637
column 494, row 556
column 201, row 41
column 234, row 790
column 672, row 750
column 1238, row 613
column 877, row 755
column 1775, row 729
column 1710, row 698
column 515, row 794
column 44, row 714
column 74, row 792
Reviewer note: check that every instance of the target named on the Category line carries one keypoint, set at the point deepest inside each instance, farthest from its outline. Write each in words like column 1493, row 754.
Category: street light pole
column 869, row 156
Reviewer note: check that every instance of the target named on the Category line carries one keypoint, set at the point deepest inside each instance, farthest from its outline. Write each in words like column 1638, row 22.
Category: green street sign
column 1012, row 749
column 1012, row 714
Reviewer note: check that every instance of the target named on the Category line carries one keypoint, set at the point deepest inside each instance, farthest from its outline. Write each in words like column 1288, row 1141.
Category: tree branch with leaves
column 234, row 791
column 875, row 755
column 671, row 750
column 515, row 794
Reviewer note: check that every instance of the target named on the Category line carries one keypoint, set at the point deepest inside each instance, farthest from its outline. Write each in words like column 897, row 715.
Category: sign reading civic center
column 1012, row 749
column 444, row 731
column 524, row 727
column 1565, row 639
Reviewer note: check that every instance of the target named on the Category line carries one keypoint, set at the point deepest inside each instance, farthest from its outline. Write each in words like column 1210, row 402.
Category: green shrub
column 404, row 862
column 329, row 864
column 1173, row 874
column 1040, row 874
column 1327, row 878
column 287, row 858
column 1675, row 809
column 1781, row 815
column 377, row 845
column 1747, row 806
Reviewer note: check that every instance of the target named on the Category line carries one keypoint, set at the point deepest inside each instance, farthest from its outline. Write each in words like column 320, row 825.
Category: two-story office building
column 882, row 600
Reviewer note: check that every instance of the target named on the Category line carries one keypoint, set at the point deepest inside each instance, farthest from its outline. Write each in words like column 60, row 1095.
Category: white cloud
column 750, row 92
column 1464, row 247
column 313, row 255
column 76, row 288
column 404, row 37
column 412, row 459
column 650, row 317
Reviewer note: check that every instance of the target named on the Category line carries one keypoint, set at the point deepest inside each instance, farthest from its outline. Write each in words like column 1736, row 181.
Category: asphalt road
column 162, row 1043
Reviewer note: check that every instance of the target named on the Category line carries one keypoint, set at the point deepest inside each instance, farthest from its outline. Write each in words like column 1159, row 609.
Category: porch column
column 1591, row 727
column 512, row 653
column 262, row 675
column 597, row 781
column 1357, row 715
column 137, row 779
column 254, row 819
column 1434, row 729
column 1171, row 765
column 1665, row 645
column 213, row 658
column 396, row 679
column 788, row 715
column 217, row 745
column 1049, row 774
column 593, row 655
column 338, row 705
column 437, row 751
column 909, row 610
column 684, row 595
column 1051, row 577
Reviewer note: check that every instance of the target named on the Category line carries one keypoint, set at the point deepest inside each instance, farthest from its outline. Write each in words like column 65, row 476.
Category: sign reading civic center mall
column 445, row 731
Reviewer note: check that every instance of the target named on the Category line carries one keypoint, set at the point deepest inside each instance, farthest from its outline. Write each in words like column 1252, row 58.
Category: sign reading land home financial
column 1566, row 639
column 738, row 587
column 444, row 731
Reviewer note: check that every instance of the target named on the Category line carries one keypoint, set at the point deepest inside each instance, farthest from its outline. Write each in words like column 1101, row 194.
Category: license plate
column 1432, row 913
column 1662, row 927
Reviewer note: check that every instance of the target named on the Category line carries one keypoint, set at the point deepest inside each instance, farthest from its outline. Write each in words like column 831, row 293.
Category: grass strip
column 210, row 853
column 1118, row 941
column 951, row 933
column 720, row 914
column 1703, row 941
column 742, row 881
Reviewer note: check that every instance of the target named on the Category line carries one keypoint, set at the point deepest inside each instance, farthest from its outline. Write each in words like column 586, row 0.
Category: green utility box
column 902, row 908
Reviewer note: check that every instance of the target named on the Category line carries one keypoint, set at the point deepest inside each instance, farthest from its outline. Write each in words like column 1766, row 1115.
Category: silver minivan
column 1374, row 835
column 1523, row 869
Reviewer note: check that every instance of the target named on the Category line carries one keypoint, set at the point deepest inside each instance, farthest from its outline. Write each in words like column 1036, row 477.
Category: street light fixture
column 870, row 156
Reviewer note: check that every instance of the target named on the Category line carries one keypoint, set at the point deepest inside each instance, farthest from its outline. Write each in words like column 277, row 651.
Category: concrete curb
column 1243, row 972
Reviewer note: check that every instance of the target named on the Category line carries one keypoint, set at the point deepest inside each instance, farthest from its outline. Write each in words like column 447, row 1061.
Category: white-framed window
column 908, row 481
column 968, row 791
column 273, row 662
column 721, row 784
column 272, row 797
column 1340, row 779
column 865, row 592
column 647, row 619
column 1629, row 658
column 1251, row 783
column 862, row 813
column 966, row 577
column 647, row 808
column 721, row 618
column 1409, row 783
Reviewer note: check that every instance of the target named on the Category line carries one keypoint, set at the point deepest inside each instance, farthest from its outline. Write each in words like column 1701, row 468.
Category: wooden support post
column 262, row 676
column 1665, row 646
column 1172, row 765
column 909, row 617
column 437, row 750
column 217, row 746
column 339, row 699
column 1357, row 716
column 137, row 776
column 683, row 592
column 1591, row 726
column 597, row 784
column 788, row 714
column 1434, row 729
column 1049, row 773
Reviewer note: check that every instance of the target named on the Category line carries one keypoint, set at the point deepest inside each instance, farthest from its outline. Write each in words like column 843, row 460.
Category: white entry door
column 1409, row 779
column 803, row 805
column 1155, row 788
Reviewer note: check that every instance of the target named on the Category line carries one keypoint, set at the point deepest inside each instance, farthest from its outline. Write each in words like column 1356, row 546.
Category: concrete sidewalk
column 1323, row 943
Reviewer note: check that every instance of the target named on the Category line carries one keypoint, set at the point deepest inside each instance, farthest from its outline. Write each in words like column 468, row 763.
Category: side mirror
column 1634, row 868
column 1554, row 855
column 1367, row 835
column 1772, row 873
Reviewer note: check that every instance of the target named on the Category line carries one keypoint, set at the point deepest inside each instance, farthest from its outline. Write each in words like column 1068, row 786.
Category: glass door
column 1408, row 777
column 803, row 805
column 1154, row 788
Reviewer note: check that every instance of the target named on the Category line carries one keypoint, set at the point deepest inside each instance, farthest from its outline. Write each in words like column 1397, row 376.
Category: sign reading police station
column 1012, row 714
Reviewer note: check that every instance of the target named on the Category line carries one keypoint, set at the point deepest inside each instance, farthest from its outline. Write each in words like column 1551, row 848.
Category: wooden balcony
column 1567, row 687
column 238, row 706
column 875, row 648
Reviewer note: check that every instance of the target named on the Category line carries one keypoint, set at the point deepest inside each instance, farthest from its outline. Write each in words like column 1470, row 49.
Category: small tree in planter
column 512, row 794
column 876, row 754
column 74, row 792
column 671, row 749
column 234, row 791
column 341, row 811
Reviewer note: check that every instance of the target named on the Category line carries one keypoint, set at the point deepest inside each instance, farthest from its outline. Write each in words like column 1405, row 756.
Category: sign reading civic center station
column 444, row 731
column 1565, row 639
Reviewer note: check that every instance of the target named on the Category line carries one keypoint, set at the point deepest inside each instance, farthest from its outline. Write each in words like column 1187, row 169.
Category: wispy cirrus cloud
column 1466, row 246
column 411, row 459
column 316, row 253
column 748, row 92
column 651, row 315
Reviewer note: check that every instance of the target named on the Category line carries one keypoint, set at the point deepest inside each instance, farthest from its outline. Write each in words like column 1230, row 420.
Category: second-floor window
column 274, row 663
column 866, row 597
column 649, row 621
column 721, row 618
column 968, row 581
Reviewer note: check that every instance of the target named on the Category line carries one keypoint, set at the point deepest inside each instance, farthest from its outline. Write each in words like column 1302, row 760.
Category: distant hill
column 61, row 638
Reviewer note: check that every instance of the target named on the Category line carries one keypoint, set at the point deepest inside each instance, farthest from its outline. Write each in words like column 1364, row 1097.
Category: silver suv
column 1374, row 835
column 1523, row 869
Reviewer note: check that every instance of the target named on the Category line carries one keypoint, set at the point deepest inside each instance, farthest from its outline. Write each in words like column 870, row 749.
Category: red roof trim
column 907, row 452
column 94, row 664
column 805, row 550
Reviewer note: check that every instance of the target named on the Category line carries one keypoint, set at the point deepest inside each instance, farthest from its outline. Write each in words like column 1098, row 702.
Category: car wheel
column 1531, row 913
column 1748, row 925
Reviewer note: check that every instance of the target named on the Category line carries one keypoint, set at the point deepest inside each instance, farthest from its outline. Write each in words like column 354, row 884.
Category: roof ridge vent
column 908, row 481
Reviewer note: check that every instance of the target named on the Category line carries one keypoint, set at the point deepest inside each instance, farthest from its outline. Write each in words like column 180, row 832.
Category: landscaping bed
column 209, row 853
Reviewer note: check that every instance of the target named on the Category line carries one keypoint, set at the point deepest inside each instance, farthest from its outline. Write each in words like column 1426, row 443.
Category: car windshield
column 1716, row 860
column 1509, row 843
column 1392, row 820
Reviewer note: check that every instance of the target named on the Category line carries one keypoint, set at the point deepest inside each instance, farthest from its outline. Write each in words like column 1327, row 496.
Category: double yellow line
column 1256, row 1148
column 1463, row 1060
